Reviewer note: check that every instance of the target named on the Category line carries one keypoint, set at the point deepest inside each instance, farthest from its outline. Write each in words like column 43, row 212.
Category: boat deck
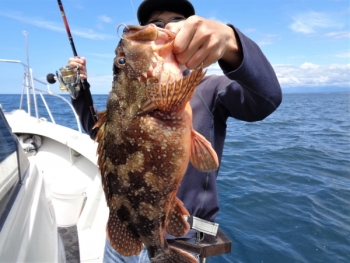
column 70, row 240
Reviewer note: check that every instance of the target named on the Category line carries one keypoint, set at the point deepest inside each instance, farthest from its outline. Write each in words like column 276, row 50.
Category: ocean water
column 284, row 182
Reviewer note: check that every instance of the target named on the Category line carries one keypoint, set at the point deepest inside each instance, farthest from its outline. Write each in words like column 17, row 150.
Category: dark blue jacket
column 249, row 93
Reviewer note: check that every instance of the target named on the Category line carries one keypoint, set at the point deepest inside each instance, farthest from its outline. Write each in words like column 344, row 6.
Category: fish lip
column 160, row 31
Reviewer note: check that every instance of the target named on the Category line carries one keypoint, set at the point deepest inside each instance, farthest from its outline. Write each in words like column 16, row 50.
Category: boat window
column 9, row 169
column 8, row 158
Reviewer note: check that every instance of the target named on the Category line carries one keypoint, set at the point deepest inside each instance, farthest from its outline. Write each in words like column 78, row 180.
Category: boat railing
column 29, row 89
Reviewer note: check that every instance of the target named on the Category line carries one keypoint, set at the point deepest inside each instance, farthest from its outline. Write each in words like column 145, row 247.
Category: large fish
column 146, row 141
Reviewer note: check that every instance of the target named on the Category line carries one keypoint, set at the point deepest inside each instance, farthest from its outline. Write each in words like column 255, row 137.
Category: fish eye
column 121, row 61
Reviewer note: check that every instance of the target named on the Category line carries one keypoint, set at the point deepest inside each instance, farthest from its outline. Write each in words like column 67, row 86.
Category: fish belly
column 145, row 166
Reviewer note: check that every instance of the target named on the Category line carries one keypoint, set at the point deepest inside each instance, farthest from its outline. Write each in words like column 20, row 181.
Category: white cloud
column 214, row 69
column 90, row 34
column 249, row 30
column 105, row 19
column 343, row 55
column 102, row 20
column 306, row 75
column 267, row 40
column 338, row 34
column 39, row 22
column 308, row 23
column 312, row 75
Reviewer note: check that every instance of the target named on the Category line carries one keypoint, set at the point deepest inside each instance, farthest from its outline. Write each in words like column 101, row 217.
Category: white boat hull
column 64, row 153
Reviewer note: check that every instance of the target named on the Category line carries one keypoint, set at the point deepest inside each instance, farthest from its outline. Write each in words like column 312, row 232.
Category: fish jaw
column 148, row 54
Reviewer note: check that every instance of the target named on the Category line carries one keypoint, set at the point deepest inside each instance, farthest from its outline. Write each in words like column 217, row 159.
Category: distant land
column 314, row 89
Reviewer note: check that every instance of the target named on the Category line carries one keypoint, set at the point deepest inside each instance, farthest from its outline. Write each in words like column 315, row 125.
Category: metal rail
column 29, row 89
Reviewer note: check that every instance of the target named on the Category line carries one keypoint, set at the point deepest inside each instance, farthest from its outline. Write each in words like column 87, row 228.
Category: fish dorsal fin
column 102, row 118
column 173, row 96
column 101, row 124
column 203, row 157
column 177, row 225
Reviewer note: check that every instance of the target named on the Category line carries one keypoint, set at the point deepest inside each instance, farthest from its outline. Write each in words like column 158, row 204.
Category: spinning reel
column 68, row 80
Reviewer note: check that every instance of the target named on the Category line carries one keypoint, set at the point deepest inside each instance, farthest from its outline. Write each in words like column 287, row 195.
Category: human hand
column 81, row 63
column 201, row 40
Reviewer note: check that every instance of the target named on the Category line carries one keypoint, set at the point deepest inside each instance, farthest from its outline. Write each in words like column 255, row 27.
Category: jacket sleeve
column 254, row 91
column 85, row 112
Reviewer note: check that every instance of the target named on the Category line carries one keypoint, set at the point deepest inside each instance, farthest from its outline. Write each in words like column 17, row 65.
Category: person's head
column 149, row 9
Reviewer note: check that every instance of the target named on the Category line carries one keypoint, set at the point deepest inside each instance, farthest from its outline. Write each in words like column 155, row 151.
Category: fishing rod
column 83, row 82
column 65, row 21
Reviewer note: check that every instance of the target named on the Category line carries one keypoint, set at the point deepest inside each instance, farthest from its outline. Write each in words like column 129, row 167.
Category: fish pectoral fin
column 177, row 225
column 173, row 96
column 125, row 241
column 146, row 107
column 203, row 157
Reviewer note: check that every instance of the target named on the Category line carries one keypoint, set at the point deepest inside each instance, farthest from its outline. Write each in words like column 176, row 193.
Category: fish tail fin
column 174, row 255
column 177, row 225
column 172, row 96
column 203, row 157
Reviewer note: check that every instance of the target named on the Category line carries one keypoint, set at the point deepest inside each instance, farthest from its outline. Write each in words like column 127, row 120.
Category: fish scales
column 145, row 142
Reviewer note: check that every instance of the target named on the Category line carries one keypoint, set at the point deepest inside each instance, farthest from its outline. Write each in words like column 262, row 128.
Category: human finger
column 189, row 41
column 210, row 42
column 184, row 33
column 174, row 27
column 79, row 62
column 209, row 51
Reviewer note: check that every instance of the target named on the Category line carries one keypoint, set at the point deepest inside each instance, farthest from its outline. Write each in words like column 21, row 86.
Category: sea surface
column 284, row 182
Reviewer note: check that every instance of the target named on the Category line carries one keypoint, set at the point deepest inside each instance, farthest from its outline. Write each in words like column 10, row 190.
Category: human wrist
column 233, row 55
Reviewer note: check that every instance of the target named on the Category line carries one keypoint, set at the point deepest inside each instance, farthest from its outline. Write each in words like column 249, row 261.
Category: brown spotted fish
column 146, row 141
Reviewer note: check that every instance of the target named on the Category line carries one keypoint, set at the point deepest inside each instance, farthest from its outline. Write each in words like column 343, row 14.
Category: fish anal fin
column 177, row 225
column 174, row 255
column 203, row 156
column 173, row 96
column 121, row 237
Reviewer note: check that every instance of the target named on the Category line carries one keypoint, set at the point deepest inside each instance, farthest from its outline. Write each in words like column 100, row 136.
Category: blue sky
column 306, row 41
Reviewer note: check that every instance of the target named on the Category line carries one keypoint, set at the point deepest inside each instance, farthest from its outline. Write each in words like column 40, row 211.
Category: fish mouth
column 162, row 64
column 149, row 32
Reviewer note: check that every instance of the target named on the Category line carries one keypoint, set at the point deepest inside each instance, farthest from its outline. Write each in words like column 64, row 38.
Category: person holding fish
column 162, row 136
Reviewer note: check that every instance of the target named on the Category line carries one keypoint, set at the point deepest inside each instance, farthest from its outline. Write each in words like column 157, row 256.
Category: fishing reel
column 68, row 80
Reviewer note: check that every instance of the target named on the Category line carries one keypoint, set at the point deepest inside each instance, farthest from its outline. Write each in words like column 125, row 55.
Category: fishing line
column 133, row 8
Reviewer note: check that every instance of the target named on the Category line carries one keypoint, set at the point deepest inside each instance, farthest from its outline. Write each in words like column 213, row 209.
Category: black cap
column 147, row 7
